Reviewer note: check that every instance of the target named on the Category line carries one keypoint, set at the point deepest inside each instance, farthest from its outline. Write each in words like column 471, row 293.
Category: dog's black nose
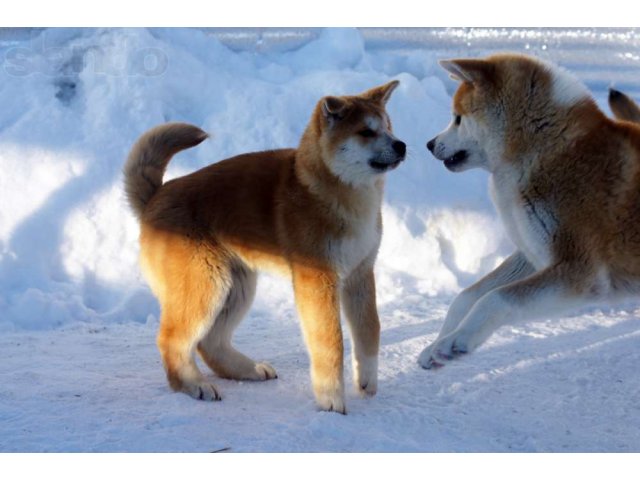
column 431, row 144
column 613, row 93
column 399, row 147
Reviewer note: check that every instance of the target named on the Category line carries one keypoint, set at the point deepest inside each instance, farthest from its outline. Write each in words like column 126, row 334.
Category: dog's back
column 242, row 190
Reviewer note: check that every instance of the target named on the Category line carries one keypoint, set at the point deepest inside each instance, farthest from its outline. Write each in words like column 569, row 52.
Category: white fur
column 349, row 251
column 566, row 88
column 522, row 225
column 351, row 161
column 496, row 309
column 329, row 394
column 449, row 141
column 547, row 294
column 514, row 268
column 373, row 123
column 365, row 374
column 351, row 164
column 483, row 143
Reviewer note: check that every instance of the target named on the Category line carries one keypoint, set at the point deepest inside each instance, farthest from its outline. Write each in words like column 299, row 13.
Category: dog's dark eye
column 367, row 133
column 458, row 119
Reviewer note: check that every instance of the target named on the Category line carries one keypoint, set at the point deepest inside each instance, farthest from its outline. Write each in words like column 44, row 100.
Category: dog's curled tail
column 623, row 107
column 149, row 158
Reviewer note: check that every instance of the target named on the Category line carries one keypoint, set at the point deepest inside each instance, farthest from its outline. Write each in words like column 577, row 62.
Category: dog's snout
column 431, row 144
column 399, row 147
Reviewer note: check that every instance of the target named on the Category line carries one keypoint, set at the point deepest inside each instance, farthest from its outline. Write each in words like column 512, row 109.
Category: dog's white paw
column 331, row 403
column 447, row 348
column 368, row 388
column 426, row 360
column 264, row 371
column 365, row 375
column 202, row 391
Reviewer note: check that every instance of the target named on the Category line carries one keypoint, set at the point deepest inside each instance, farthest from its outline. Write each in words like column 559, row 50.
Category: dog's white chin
column 358, row 175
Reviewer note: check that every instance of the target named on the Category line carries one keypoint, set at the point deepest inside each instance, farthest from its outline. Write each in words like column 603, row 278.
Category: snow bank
column 74, row 101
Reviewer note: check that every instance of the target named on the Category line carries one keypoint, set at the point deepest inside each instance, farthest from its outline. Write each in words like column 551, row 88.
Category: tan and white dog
column 311, row 212
column 565, row 180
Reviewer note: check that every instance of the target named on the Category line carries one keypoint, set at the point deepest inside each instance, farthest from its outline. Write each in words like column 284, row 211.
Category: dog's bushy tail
column 149, row 158
column 623, row 107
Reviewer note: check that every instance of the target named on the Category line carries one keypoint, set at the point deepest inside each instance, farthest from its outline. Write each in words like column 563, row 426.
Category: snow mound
column 75, row 100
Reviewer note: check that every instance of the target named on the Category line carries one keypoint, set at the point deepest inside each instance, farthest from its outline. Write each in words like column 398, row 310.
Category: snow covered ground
column 80, row 370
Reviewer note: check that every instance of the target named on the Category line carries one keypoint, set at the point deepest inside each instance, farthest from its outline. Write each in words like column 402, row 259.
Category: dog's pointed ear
column 334, row 108
column 382, row 93
column 469, row 70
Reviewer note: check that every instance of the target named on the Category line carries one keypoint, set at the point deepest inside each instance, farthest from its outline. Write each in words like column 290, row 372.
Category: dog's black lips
column 455, row 159
column 382, row 166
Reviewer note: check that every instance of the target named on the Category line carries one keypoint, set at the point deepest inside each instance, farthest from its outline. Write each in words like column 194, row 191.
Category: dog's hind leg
column 215, row 347
column 191, row 294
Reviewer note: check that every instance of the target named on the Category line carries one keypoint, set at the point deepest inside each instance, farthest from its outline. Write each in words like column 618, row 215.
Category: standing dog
column 565, row 180
column 311, row 212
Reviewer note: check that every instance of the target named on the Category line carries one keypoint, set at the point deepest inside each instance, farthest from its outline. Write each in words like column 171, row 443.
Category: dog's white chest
column 530, row 224
column 349, row 251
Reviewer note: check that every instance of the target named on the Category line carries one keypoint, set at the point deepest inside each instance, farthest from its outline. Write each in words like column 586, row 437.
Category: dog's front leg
column 513, row 268
column 317, row 299
column 359, row 302
column 551, row 291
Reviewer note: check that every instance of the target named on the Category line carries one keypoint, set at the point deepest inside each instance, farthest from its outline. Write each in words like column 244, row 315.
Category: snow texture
column 80, row 369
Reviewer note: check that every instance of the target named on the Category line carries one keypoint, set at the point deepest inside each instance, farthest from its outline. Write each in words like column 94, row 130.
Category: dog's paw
column 331, row 403
column 426, row 360
column 264, row 371
column 368, row 389
column 202, row 391
column 365, row 376
column 444, row 350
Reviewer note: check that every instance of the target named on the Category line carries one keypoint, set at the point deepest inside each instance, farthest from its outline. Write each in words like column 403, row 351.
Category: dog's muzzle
column 381, row 164
column 451, row 162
